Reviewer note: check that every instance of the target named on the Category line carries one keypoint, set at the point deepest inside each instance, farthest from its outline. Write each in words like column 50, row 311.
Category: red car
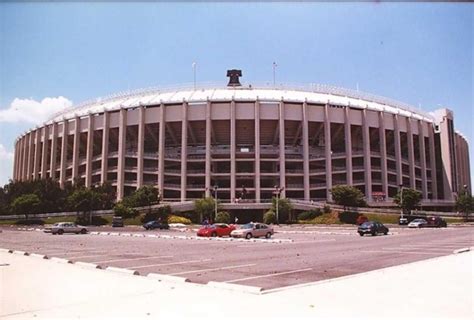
column 216, row 230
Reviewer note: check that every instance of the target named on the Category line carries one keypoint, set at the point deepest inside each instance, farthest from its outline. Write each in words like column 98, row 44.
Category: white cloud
column 6, row 165
column 32, row 111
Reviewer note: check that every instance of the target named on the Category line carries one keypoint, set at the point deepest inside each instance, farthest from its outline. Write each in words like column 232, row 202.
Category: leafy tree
column 124, row 211
column 465, row 204
column 223, row 217
column 410, row 198
column 205, row 207
column 162, row 213
column 348, row 196
column 107, row 195
column 284, row 209
column 26, row 204
column 84, row 200
column 269, row 217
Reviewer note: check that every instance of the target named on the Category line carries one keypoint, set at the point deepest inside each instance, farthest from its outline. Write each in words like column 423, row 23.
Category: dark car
column 156, row 225
column 436, row 222
column 372, row 227
column 117, row 222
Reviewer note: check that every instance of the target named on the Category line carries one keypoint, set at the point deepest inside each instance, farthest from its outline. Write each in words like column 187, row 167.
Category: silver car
column 418, row 223
column 253, row 230
column 66, row 227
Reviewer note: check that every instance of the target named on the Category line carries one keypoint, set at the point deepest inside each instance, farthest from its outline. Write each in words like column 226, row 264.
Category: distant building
column 252, row 139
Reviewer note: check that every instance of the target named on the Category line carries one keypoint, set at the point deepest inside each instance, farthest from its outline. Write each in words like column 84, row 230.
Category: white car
column 253, row 230
column 65, row 227
column 418, row 223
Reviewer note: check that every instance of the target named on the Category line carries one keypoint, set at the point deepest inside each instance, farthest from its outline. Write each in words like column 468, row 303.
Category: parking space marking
column 269, row 275
column 86, row 256
column 169, row 264
column 132, row 259
column 441, row 250
column 214, row 269
column 312, row 241
column 428, row 246
column 403, row 252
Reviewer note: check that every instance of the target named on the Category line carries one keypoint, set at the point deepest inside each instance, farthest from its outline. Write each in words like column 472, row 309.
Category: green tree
column 269, row 217
column 223, row 217
column 465, row 204
column 348, row 196
column 84, row 200
column 124, row 211
column 284, row 209
column 107, row 195
column 26, row 204
column 410, row 198
column 205, row 207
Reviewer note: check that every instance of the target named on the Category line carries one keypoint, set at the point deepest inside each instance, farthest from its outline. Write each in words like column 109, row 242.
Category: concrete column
column 105, row 148
column 75, row 150
column 90, row 143
column 44, row 152
column 434, row 178
column 208, row 149
column 37, row 154
column 121, row 153
column 367, row 160
column 184, row 149
column 348, row 143
column 141, row 145
column 232, row 151
column 424, row 182
column 54, row 147
column 62, row 172
column 398, row 149
column 281, row 128
column 306, row 186
column 257, row 151
column 24, row 158
column 328, row 152
column 15, row 161
column 383, row 153
column 411, row 154
column 161, row 150
column 31, row 155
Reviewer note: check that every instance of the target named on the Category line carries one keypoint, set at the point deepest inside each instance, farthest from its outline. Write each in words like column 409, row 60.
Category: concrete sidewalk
column 439, row 288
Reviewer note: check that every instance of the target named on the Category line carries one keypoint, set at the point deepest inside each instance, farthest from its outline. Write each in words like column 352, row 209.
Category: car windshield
column 418, row 220
column 367, row 224
column 247, row 226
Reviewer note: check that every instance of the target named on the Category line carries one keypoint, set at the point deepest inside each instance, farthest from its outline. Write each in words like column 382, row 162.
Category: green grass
column 383, row 218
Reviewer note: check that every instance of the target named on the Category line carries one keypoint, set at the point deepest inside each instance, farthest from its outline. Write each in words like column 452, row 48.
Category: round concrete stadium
column 247, row 141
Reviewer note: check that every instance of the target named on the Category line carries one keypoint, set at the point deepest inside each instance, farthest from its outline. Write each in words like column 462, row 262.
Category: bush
column 161, row 213
column 269, row 217
column 223, row 217
column 326, row 209
column 125, row 212
column 96, row 221
column 178, row 219
column 310, row 215
column 348, row 217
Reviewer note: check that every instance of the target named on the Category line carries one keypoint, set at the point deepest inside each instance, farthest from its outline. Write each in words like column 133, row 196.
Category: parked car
column 117, row 221
column 418, row 223
column 372, row 227
column 436, row 222
column 215, row 230
column 65, row 227
column 403, row 221
column 150, row 225
column 253, row 230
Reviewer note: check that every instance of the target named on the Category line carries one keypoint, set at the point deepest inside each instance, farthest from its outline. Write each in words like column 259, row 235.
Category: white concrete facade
column 245, row 141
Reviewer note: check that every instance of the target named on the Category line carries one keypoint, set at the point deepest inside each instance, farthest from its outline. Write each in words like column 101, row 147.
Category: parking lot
column 304, row 254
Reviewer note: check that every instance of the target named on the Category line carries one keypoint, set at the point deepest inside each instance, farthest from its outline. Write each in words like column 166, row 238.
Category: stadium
column 249, row 142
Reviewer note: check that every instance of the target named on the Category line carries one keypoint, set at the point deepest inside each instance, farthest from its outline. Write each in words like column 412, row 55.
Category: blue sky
column 421, row 54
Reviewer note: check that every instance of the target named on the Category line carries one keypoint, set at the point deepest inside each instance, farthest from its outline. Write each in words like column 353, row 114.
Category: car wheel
column 374, row 233
column 248, row 236
column 361, row 234
column 60, row 231
column 213, row 234
column 83, row 231
column 385, row 233
column 268, row 235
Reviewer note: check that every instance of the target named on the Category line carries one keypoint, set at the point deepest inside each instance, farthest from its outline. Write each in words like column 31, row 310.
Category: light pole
column 215, row 201
column 274, row 67
column 277, row 192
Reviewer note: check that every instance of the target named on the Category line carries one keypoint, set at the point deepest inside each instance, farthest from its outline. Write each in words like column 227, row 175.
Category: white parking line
column 169, row 264
column 403, row 252
column 269, row 275
column 132, row 259
column 214, row 269
column 427, row 246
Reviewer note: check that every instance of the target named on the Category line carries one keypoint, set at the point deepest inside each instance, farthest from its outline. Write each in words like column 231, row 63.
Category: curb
column 462, row 250
column 123, row 270
column 88, row 265
column 235, row 287
column 41, row 256
column 21, row 253
column 167, row 278
column 4, row 250
column 61, row 260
